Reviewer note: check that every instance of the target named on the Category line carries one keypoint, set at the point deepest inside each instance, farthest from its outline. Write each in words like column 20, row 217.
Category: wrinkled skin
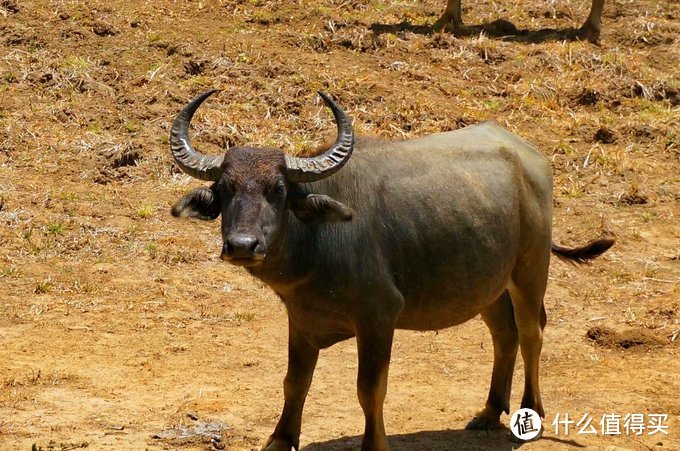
column 452, row 19
column 419, row 235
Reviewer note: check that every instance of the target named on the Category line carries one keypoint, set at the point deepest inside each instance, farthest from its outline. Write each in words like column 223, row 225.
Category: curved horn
column 189, row 160
column 303, row 170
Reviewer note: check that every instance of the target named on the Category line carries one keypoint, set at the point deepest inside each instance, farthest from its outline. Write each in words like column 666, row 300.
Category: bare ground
column 116, row 320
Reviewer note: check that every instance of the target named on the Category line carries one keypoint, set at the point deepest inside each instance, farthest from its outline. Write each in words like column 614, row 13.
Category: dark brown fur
column 254, row 165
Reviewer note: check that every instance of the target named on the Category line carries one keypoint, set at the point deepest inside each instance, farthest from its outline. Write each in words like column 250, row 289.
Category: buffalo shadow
column 499, row 29
column 446, row 440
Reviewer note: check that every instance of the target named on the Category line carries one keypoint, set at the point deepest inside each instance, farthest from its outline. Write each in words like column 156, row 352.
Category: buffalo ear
column 318, row 208
column 201, row 203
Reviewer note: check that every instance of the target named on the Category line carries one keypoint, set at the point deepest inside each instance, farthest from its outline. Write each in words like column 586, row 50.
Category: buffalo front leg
column 590, row 29
column 451, row 18
column 302, row 358
column 499, row 317
column 374, row 342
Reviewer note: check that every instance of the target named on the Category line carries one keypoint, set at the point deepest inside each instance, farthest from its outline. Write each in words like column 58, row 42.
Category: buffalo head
column 253, row 187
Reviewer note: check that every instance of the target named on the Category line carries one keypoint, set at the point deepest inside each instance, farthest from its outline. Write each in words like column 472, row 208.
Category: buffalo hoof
column 446, row 23
column 279, row 445
column 483, row 423
column 589, row 33
column 441, row 24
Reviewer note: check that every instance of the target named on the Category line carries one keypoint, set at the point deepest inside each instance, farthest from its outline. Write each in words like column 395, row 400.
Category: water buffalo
column 590, row 30
column 421, row 234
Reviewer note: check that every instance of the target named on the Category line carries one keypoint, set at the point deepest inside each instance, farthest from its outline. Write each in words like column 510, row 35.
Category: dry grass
column 88, row 92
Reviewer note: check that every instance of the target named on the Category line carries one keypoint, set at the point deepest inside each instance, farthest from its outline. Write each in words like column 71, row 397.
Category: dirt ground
column 119, row 324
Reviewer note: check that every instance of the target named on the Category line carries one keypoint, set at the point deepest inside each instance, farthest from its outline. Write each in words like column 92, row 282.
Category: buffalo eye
column 278, row 188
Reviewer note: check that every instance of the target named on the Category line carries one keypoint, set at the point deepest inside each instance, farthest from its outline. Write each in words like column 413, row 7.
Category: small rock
column 588, row 97
column 605, row 135
column 11, row 6
column 46, row 78
column 192, row 67
column 103, row 29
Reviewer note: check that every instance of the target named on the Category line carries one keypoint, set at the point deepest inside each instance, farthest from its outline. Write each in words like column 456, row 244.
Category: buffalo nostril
column 241, row 246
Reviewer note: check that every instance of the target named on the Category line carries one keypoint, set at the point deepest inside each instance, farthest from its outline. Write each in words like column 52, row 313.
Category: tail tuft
column 584, row 254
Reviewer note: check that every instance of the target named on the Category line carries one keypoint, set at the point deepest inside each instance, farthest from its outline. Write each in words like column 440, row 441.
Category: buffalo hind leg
column 590, row 29
column 526, row 292
column 451, row 18
column 302, row 358
column 499, row 317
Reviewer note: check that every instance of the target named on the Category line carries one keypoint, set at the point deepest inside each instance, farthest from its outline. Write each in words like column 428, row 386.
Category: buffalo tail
column 582, row 255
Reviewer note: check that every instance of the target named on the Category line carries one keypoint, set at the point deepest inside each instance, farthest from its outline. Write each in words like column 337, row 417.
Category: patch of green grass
column 53, row 445
column 613, row 58
column 77, row 62
column 263, row 17
column 55, row 228
column 151, row 249
column 68, row 196
column 9, row 271
column 564, row 149
column 85, row 287
column 33, row 45
column 154, row 37
column 94, row 127
column 198, row 80
column 28, row 235
column 132, row 127
column 650, row 111
column 621, row 275
column 145, row 211
column 573, row 190
column 491, row 104
column 180, row 256
column 244, row 316
column 43, row 286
